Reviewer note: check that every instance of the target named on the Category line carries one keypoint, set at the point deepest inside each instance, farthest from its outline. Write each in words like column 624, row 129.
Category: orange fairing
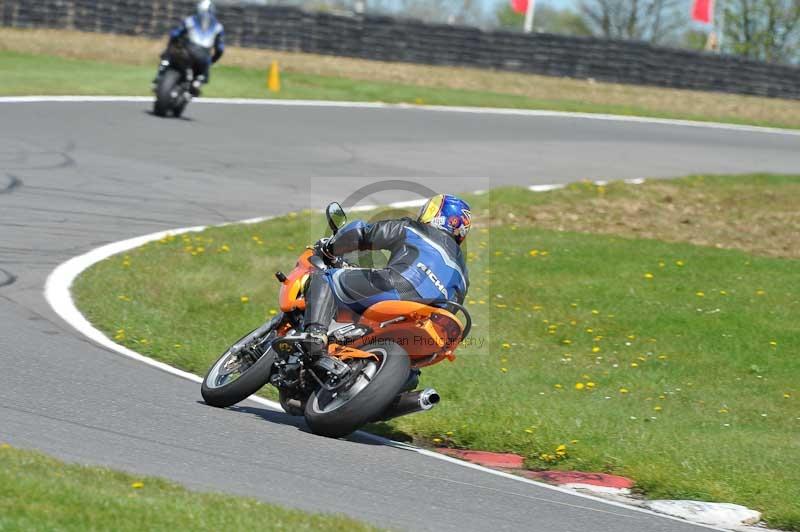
column 292, row 289
column 427, row 334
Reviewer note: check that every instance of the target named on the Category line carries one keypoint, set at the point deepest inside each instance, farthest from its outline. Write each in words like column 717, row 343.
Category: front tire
column 222, row 394
column 327, row 415
column 169, row 80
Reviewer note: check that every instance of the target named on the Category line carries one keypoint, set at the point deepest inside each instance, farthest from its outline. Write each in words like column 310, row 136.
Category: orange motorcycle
column 373, row 358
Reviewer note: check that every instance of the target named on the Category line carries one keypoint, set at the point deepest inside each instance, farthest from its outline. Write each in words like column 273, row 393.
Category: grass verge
column 669, row 362
column 40, row 493
column 92, row 63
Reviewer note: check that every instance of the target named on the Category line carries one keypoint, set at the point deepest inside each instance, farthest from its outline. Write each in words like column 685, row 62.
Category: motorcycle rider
column 426, row 264
column 206, row 44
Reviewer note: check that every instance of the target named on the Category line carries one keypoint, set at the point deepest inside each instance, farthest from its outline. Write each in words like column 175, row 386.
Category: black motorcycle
column 177, row 83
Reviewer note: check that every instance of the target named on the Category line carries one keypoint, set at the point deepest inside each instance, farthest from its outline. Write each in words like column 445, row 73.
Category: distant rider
column 205, row 39
column 426, row 264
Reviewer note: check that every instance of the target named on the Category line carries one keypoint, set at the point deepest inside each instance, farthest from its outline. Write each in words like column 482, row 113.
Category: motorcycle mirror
column 336, row 217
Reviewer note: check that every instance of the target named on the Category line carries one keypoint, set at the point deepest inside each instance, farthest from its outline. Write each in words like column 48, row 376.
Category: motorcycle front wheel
column 238, row 373
column 166, row 85
column 342, row 412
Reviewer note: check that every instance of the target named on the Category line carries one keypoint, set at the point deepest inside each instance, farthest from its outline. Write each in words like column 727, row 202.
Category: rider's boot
column 162, row 66
column 320, row 311
column 316, row 341
column 196, row 84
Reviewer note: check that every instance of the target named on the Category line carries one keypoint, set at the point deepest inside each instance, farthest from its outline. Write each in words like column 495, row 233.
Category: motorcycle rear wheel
column 223, row 394
column 164, row 101
column 340, row 414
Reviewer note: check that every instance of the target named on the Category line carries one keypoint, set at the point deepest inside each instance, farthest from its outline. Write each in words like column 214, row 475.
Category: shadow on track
column 183, row 118
column 281, row 418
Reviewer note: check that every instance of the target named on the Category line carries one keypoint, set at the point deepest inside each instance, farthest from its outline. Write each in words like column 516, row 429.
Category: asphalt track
column 74, row 176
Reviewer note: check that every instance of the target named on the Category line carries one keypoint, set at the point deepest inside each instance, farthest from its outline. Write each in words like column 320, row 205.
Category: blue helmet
column 205, row 13
column 448, row 213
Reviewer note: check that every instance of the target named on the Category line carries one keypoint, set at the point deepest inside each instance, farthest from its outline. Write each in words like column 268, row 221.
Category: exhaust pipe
column 410, row 402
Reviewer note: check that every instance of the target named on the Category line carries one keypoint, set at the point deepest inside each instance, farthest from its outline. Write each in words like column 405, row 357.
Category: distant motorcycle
column 371, row 371
column 177, row 85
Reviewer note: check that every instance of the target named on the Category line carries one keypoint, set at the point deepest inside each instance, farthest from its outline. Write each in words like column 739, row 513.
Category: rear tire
column 368, row 404
column 246, row 385
column 169, row 80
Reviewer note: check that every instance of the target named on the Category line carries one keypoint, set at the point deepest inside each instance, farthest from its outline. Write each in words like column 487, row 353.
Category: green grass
column 26, row 74
column 690, row 378
column 40, row 493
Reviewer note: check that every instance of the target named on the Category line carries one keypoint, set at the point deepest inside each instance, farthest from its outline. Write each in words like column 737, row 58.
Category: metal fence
column 389, row 39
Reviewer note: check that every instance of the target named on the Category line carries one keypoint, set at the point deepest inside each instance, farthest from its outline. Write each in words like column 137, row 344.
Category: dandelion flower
column 244, row 299
column 623, row 390
column 657, row 408
column 596, row 349
column 590, row 385
column 437, row 440
column 760, row 292
column 137, row 485
column 504, row 370
column 649, row 276
column 579, row 386
column 787, row 395
column 595, row 312
column 558, row 386
column 679, row 263
column 634, row 365
column 700, row 294
column 773, row 343
column 529, row 431
column 533, row 252
column 506, row 345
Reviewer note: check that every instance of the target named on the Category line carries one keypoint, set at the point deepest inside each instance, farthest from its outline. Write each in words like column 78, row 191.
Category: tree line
column 766, row 30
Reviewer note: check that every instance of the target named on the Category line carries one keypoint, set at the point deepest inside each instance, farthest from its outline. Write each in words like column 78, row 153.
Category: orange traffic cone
column 274, row 78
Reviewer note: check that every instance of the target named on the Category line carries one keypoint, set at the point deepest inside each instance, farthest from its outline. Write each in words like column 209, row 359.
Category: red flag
column 703, row 11
column 519, row 6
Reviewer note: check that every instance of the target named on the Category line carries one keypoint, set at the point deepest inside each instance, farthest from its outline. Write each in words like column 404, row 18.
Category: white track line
column 58, row 295
column 433, row 108
column 546, row 188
